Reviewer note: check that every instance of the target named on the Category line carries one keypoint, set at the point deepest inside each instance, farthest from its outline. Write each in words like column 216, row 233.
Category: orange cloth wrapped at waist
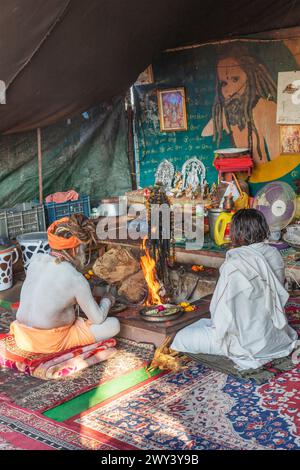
column 54, row 340
column 60, row 243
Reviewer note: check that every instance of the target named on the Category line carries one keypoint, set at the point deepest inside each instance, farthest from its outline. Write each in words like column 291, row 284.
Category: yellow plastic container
column 222, row 222
column 242, row 202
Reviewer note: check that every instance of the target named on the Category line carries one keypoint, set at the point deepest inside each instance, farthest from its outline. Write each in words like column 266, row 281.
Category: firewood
column 134, row 288
column 116, row 265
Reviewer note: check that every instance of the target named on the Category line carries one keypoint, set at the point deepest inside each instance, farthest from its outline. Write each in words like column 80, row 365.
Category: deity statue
column 164, row 174
column 177, row 185
column 192, row 177
column 193, row 172
column 205, row 190
column 214, row 195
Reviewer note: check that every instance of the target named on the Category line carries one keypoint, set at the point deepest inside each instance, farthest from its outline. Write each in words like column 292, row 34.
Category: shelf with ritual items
column 190, row 198
column 215, row 205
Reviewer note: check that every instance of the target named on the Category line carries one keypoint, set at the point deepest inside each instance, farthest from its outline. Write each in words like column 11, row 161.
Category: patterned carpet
column 199, row 408
column 292, row 310
column 6, row 317
column 47, row 394
column 39, row 395
column 25, row 430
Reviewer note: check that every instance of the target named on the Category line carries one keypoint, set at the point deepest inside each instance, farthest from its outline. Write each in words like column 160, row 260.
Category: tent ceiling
column 62, row 56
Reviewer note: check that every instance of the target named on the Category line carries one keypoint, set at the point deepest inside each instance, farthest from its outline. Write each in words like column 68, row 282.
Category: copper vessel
column 228, row 203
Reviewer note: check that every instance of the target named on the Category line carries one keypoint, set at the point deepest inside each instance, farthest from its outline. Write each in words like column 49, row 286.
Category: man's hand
column 111, row 298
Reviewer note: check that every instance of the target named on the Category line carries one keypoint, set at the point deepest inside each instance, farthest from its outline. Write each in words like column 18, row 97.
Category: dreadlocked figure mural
column 244, row 105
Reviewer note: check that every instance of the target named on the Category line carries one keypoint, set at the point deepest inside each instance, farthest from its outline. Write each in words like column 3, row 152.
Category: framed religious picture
column 146, row 77
column 290, row 139
column 172, row 109
column 288, row 98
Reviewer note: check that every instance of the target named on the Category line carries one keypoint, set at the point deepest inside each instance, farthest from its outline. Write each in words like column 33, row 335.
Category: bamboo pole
column 39, row 143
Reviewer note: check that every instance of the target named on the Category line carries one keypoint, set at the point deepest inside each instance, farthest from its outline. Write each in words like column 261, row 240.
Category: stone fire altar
column 134, row 327
column 128, row 284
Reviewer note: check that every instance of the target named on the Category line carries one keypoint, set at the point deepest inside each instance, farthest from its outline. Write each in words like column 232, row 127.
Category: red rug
column 292, row 310
column 26, row 430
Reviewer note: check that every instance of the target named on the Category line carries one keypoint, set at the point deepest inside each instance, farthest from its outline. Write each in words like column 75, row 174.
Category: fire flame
column 148, row 267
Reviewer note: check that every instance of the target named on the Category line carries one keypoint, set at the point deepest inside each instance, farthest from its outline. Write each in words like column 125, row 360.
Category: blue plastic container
column 56, row 211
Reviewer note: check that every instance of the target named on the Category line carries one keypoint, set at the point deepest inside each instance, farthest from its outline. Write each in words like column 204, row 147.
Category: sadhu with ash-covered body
column 46, row 319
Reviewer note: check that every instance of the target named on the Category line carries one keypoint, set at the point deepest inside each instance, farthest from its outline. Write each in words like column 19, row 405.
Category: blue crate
column 55, row 211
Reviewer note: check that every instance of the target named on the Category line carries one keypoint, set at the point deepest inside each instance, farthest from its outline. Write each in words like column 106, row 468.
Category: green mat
column 98, row 394
column 6, row 304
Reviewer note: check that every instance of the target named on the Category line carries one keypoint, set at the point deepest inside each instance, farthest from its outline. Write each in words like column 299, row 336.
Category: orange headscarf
column 60, row 243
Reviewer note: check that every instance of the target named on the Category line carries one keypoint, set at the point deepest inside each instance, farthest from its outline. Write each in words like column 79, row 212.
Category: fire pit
column 167, row 299
column 142, row 320
column 185, row 285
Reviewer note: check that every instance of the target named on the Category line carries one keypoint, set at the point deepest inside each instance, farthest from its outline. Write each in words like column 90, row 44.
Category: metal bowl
column 118, row 307
column 162, row 319
column 113, row 207
column 161, row 316
column 232, row 152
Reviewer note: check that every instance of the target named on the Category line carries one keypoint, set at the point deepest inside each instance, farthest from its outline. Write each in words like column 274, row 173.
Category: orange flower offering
column 187, row 307
column 197, row 268
column 89, row 274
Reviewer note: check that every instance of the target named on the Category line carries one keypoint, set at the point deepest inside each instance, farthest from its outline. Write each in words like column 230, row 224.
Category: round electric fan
column 277, row 201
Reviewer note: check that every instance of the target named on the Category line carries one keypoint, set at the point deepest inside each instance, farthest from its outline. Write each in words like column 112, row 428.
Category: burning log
column 119, row 267
column 134, row 288
column 154, row 287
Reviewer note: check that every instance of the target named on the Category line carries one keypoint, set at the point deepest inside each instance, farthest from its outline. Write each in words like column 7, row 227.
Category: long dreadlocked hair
column 259, row 84
column 79, row 226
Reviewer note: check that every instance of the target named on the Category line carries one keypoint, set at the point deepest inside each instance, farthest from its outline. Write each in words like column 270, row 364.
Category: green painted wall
column 195, row 69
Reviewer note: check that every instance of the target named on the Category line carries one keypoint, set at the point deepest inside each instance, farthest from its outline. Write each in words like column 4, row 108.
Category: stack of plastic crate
column 23, row 218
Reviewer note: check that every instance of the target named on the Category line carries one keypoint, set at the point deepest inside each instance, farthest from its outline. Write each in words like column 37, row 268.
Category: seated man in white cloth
column 248, row 323
column 46, row 320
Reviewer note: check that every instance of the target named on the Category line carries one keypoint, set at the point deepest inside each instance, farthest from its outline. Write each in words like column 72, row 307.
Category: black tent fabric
column 61, row 57
column 87, row 153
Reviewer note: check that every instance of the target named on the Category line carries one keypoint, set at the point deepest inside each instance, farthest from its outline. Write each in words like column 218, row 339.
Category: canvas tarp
column 87, row 153
column 61, row 57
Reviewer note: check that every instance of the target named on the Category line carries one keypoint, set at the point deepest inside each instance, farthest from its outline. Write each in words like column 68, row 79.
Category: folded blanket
column 60, row 197
column 54, row 366
column 260, row 375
